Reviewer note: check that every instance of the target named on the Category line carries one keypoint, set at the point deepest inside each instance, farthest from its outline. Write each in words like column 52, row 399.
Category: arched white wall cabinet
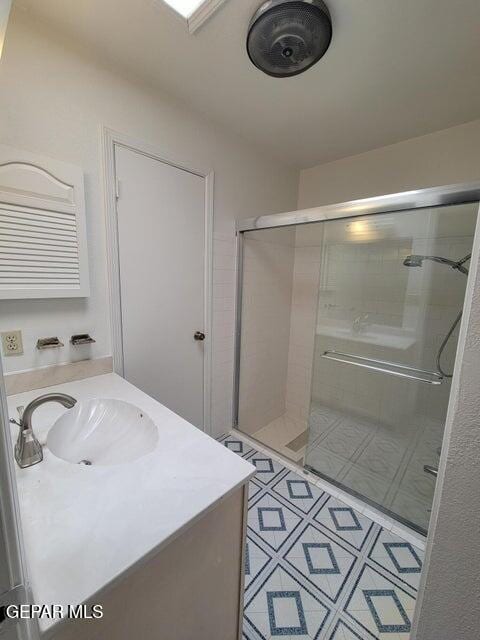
column 43, row 246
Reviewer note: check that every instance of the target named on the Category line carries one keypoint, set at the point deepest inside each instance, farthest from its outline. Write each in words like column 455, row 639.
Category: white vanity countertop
column 85, row 526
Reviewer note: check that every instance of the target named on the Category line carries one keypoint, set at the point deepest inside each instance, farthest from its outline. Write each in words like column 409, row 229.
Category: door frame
column 109, row 139
column 10, row 522
column 11, row 537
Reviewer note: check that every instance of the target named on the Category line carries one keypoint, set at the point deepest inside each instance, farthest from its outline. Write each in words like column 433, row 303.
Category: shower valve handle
column 431, row 470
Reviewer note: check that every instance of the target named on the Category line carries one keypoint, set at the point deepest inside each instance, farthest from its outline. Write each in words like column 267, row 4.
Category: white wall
column 53, row 99
column 5, row 6
column 449, row 597
column 444, row 157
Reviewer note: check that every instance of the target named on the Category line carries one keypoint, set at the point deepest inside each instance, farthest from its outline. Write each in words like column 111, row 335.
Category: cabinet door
column 43, row 248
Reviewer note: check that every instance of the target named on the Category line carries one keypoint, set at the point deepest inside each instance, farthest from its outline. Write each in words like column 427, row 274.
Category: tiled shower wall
column 266, row 302
column 370, row 282
column 306, row 274
column 346, row 279
column 267, row 296
column 367, row 280
column 223, row 309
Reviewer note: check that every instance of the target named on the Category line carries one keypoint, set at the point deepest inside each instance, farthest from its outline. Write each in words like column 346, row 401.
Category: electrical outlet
column 12, row 344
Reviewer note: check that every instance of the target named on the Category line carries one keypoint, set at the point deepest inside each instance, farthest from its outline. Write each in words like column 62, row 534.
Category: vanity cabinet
column 192, row 589
column 158, row 540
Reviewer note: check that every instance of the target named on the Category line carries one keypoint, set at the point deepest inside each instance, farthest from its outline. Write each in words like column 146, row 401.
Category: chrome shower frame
column 406, row 201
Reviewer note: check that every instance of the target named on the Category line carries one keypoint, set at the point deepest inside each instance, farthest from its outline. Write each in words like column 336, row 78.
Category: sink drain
column 87, row 462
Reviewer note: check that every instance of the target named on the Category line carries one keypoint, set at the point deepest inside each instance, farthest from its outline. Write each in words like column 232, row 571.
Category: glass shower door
column 390, row 291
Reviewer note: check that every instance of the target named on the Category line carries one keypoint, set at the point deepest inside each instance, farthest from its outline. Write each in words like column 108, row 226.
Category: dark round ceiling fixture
column 287, row 37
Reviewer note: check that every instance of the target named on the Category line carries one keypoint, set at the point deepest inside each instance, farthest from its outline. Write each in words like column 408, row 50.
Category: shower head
column 417, row 261
column 413, row 261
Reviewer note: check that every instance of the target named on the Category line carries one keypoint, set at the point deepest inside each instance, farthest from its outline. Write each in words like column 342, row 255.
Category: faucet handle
column 20, row 417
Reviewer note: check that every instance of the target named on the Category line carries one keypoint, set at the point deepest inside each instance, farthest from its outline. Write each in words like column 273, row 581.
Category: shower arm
column 459, row 267
column 416, row 260
column 455, row 265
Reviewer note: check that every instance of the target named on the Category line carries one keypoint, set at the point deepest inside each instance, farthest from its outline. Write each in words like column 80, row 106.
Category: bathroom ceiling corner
column 394, row 70
column 195, row 12
column 183, row 7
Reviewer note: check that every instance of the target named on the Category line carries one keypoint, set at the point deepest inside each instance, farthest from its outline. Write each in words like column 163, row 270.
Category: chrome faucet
column 360, row 322
column 28, row 450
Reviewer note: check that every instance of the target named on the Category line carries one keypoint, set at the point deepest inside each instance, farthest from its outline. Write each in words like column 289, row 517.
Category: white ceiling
column 396, row 69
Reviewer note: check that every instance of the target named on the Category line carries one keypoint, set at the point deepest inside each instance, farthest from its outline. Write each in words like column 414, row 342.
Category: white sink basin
column 102, row 432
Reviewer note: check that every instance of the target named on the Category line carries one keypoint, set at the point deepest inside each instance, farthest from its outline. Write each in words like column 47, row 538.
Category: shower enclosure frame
column 404, row 201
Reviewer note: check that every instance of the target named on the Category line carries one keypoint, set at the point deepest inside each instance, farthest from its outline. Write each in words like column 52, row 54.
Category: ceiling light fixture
column 287, row 37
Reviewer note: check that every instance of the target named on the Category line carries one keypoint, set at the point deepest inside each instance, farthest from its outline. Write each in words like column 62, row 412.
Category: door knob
column 198, row 335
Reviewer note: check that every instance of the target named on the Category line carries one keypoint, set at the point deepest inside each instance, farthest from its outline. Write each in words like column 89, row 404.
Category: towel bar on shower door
column 384, row 366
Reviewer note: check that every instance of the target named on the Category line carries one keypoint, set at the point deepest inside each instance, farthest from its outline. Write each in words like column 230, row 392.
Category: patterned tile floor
column 316, row 568
column 383, row 462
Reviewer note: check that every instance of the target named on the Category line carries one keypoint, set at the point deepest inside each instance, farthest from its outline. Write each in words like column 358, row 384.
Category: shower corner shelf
column 384, row 366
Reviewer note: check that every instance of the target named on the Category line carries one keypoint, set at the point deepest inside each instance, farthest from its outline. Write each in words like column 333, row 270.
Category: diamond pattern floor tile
column 344, row 522
column 316, row 568
column 322, row 561
column 400, row 558
column 283, row 606
column 342, row 631
column 379, row 606
column 237, row 446
column 272, row 521
column 302, row 494
column 253, row 490
column 256, row 559
column 268, row 469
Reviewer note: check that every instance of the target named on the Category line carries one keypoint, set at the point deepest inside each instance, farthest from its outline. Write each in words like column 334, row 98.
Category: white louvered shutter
column 43, row 250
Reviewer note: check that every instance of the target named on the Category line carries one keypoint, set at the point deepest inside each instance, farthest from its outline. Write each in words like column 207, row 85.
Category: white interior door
column 161, row 239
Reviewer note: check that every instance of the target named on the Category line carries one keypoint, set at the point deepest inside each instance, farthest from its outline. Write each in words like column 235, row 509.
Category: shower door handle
column 385, row 366
column 433, row 471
